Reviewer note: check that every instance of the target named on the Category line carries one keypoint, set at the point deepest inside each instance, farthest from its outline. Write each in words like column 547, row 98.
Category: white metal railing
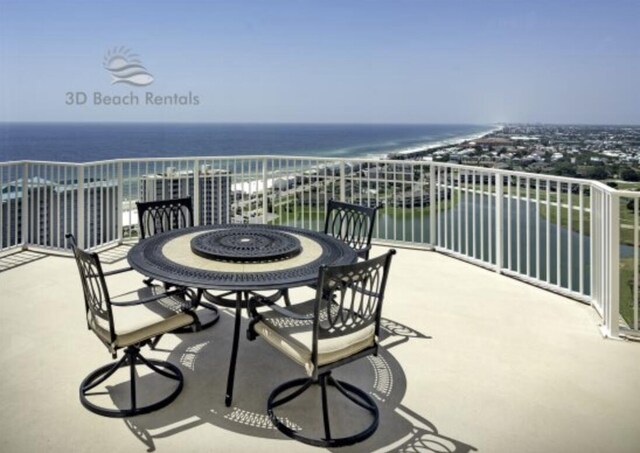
column 560, row 233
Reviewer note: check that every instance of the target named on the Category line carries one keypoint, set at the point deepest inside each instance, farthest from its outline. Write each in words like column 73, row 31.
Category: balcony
column 491, row 330
column 576, row 237
column 473, row 361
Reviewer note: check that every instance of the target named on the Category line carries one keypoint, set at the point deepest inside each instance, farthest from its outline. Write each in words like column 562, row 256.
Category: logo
column 126, row 67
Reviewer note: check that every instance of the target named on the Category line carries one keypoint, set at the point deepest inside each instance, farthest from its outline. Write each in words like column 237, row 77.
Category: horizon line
column 303, row 123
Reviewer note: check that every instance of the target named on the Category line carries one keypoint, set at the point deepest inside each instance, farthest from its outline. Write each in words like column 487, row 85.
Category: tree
column 629, row 174
column 564, row 169
column 596, row 172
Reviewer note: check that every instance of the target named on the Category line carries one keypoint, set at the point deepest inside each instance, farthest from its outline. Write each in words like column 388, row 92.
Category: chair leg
column 212, row 321
column 155, row 342
column 351, row 392
column 285, row 296
column 131, row 357
column 132, row 381
column 228, row 398
column 325, row 408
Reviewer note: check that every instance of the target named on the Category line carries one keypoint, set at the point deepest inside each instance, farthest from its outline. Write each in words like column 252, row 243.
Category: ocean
column 81, row 142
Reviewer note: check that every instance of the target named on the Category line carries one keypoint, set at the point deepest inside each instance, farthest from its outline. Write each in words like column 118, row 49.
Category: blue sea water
column 78, row 142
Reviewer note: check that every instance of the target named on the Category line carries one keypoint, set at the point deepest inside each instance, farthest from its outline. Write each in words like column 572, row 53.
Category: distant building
column 214, row 188
column 53, row 209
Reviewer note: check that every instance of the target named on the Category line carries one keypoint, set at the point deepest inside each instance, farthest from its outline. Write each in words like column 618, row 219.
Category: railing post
column 432, row 205
column 119, row 197
column 196, row 194
column 80, row 210
column 25, row 206
column 343, row 182
column 613, row 309
column 265, row 204
column 498, row 229
column 593, row 229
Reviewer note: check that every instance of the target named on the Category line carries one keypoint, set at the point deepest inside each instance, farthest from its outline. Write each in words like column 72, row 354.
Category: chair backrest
column 349, row 298
column 96, row 295
column 164, row 215
column 352, row 224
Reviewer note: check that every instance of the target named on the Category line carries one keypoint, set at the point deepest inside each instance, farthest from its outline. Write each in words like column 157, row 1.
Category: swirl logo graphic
column 126, row 67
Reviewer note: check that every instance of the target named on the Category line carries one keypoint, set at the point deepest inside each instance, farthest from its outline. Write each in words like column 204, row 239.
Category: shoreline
column 25, row 142
column 257, row 185
column 414, row 153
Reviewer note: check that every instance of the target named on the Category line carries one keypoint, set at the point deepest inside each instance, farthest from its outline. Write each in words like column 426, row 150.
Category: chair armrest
column 257, row 317
column 114, row 272
column 260, row 300
column 117, row 271
column 146, row 300
column 290, row 314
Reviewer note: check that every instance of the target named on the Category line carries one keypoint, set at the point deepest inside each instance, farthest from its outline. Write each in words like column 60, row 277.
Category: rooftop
column 472, row 360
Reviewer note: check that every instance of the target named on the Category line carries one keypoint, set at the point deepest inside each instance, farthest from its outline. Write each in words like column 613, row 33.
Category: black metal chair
column 352, row 224
column 172, row 312
column 165, row 215
column 339, row 326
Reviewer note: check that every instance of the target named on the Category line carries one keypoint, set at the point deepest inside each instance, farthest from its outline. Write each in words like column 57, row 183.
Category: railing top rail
column 254, row 157
column 601, row 186
column 356, row 160
column 627, row 193
column 215, row 158
column 42, row 162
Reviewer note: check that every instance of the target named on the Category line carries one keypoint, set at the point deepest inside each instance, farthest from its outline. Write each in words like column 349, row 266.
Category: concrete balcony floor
column 472, row 361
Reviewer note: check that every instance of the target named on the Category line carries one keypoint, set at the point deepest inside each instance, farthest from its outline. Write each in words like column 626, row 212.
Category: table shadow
column 203, row 358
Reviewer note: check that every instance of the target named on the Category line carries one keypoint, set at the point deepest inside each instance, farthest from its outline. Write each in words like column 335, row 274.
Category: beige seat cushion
column 137, row 323
column 294, row 338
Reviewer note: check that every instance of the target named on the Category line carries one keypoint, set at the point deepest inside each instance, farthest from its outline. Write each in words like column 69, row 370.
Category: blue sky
column 329, row 61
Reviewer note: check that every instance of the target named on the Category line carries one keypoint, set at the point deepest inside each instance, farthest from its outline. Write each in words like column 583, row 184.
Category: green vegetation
column 564, row 221
column 399, row 211
column 628, row 185
column 626, row 290
column 626, row 215
column 629, row 174
column 295, row 214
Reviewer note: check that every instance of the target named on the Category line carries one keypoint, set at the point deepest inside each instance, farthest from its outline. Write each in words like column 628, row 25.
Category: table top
column 238, row 256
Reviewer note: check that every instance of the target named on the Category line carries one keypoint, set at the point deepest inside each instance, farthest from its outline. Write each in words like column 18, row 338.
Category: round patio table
column 239, row 259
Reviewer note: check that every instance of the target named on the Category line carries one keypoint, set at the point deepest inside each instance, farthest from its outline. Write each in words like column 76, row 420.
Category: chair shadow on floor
column 204, row 357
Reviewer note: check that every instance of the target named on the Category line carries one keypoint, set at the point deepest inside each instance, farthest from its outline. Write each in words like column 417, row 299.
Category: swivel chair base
column 353, row 393
column 131, row 357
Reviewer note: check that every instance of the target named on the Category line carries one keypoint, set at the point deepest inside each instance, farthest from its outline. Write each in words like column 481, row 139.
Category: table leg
column 234, row 350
